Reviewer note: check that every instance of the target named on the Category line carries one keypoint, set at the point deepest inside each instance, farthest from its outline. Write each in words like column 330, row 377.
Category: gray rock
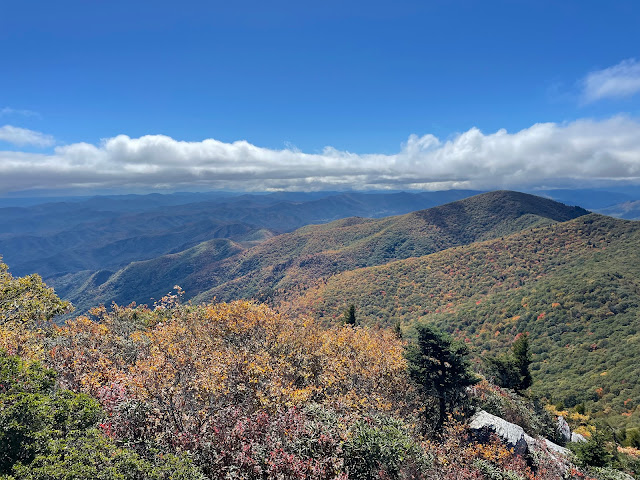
column 576, row 437
column 554, row 447
column 507, row 431
column 511, row 433
column 563, row 428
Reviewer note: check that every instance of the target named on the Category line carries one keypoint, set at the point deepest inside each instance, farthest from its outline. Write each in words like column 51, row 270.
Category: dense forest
column 572, row 285
column 236, row 390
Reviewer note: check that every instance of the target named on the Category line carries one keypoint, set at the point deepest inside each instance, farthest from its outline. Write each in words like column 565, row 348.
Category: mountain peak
column 508, row 204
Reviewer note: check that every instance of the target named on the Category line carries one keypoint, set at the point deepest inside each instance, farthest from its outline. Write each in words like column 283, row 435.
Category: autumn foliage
column 254, row 394
column 239, row 354
column 231, row 390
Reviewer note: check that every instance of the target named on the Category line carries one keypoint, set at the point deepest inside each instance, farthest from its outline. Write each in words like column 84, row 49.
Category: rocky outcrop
column 512, row 434
column 507, row 431
column 576, row 437
column 564, row 429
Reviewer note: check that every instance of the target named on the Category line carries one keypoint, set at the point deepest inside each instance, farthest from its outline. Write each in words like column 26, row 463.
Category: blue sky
column 292, row 78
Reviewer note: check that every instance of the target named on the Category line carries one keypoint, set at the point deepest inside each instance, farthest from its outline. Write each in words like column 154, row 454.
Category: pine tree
column 350, row 315
column 439, row 365
column 522, row 358
column 511, row 370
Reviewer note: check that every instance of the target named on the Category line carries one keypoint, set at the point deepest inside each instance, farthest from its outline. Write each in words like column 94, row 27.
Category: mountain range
column 483, row 267
column 226, row 269
column 111, row 232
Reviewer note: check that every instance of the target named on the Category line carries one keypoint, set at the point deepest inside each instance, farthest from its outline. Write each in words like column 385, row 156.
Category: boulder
column 509, row 432
column 512, row 434
column 563, row 429
column 576, row 437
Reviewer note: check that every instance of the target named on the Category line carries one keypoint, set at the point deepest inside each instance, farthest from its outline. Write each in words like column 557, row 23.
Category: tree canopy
column 28, row 299
column 439, row 365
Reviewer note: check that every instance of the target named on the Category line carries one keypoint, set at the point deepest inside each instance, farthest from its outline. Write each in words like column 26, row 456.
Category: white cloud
column 16, row 111
column 552, row 154
column 621, row 80
column 23, row 136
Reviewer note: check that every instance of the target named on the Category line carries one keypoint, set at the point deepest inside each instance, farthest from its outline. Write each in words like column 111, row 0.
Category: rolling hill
column 108, row 233
column 573, row 285
column 302, row 257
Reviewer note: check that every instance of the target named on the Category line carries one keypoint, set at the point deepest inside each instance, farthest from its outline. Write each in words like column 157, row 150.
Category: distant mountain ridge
column 109, row 233
column 296, row 259
column 629, row 210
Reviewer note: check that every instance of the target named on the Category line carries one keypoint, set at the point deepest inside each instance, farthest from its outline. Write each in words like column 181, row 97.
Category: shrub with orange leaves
column 88, row 354
column 185, row 363
column 27, row 305
column 16, row 339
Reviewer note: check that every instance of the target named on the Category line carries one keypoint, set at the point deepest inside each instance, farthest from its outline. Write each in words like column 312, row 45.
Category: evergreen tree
column 595, row 452
column 397, row 329
column 503, row 371
column 439, row 365
column 522, row 358
column 512, row 370
column 350, row 315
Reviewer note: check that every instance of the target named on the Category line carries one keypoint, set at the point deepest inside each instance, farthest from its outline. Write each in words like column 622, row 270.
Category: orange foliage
column 186, row 363
column 16, row 339
column 85, row 355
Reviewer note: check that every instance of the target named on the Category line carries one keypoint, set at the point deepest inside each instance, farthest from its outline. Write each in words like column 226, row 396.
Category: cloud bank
column 549, row 154
column 621, row 80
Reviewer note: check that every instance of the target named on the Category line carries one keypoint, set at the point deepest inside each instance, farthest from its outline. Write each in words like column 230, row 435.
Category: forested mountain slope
column 316, row 251
column 108, row 233
column 574, row 286
column 146, row 281
column 294, row 260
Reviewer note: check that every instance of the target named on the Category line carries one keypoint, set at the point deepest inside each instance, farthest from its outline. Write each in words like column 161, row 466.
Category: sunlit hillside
column 572, row 285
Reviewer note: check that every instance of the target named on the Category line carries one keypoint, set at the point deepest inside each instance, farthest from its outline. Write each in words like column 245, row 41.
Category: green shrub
column 608, row 473
column 48, row 433
column 594, row 452
column 18, row 376
column 491, row 472
column 380, row 445
column 32, row 413
column 90, row 455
